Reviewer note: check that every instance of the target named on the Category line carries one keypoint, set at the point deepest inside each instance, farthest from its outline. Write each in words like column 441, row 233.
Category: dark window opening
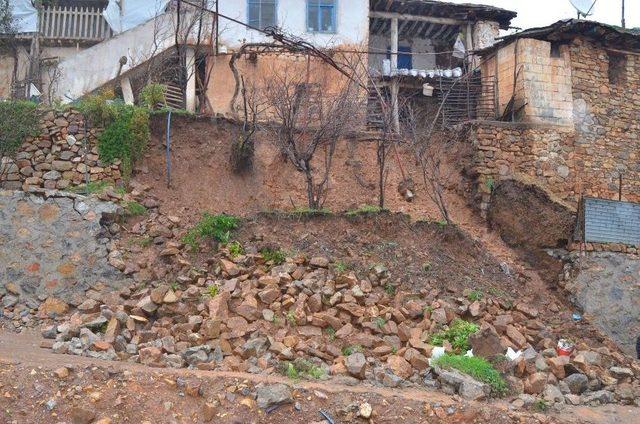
column 617, row 68
column 555, row 49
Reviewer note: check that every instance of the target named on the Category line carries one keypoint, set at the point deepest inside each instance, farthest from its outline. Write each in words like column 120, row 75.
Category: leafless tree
column 243, row 147
column 429, row 148
column 307, row 115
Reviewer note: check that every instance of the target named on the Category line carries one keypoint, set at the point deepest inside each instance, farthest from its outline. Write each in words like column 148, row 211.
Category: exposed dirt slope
column 529, row 221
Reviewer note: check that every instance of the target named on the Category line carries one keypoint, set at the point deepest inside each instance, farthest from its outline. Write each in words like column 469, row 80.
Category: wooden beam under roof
column 407, row 17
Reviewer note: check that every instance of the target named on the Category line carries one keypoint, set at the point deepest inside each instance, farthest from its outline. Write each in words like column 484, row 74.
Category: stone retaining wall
column 56, row 158
column 540, row 154
column 53, row 248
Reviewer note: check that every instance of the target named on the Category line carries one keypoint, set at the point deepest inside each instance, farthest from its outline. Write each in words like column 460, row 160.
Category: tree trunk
column 313, row 203
column 382, row 159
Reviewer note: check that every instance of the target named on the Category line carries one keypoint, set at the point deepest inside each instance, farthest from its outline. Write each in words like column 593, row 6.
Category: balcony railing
column 74, row 24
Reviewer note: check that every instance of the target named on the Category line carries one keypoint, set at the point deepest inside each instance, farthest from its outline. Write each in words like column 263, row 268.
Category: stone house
column 569, row 94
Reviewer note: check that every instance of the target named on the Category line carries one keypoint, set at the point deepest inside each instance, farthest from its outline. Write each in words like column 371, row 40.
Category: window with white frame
column 321, row 15
column 262, row 13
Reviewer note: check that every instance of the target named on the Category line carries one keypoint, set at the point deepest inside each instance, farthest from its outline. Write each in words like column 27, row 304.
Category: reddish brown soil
column 203, row 181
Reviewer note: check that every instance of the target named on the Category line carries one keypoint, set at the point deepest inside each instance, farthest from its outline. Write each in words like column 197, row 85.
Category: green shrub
column 99, row 108
column 457, row 334
column 135, row 209
column 18, row 120
column 477, row 368
column 126, row 137
column 152, row 95
column 217, row 227
column 276, row 256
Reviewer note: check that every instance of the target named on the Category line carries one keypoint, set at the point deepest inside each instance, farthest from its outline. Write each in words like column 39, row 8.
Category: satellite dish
column 583, row 7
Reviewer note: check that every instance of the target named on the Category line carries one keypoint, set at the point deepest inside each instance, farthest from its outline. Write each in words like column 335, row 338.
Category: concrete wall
column 92, row 68
column 352, row 23
column 7, row 62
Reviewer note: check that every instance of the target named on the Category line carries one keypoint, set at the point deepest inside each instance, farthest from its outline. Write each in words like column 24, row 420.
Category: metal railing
column 74, row 24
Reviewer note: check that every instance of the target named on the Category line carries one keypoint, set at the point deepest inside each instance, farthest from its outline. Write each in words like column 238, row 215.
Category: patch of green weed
column 235, row 249
column 93, row 187
column 390, row 289
column 540, row 405
column 457, row 334
column 212, row 290
column 340, row 267
column 331, row 333
column 475, row 295
column 134, row 208
column 379, row 322
column 301, row 368
column 217, row 227
column 276, row 256
column 477, row 368
column 350, row 350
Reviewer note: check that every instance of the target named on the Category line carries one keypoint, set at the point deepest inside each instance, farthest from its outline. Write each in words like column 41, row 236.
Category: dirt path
column 124, row 392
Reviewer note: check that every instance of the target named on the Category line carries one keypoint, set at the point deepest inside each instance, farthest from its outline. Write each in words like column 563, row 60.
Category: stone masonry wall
column 53, row 247
column 56, row 158
column 540, row 154
column 586, row 157
column 607, row 122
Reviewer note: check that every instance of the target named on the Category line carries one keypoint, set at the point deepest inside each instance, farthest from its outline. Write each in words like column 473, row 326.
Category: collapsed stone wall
column 56, row 158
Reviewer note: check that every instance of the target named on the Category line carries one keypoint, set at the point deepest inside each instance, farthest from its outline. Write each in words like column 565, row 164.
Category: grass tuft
column 235, row 249
column 477, row 368
column 365, row 210
column 301, row 368
column 135, row 209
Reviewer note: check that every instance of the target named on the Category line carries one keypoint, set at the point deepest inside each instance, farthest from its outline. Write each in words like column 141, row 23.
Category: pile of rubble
column 247, row 314
column 56, row 159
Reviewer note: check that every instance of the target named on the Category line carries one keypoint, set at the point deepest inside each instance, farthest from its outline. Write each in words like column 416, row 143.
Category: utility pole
column 623, row 20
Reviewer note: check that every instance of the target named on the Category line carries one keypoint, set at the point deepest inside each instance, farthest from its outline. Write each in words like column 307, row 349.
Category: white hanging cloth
column 25, row 15
column 122, row 15
column 459, row 50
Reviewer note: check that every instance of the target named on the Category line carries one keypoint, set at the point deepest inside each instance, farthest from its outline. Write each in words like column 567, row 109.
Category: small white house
column 325, row 23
